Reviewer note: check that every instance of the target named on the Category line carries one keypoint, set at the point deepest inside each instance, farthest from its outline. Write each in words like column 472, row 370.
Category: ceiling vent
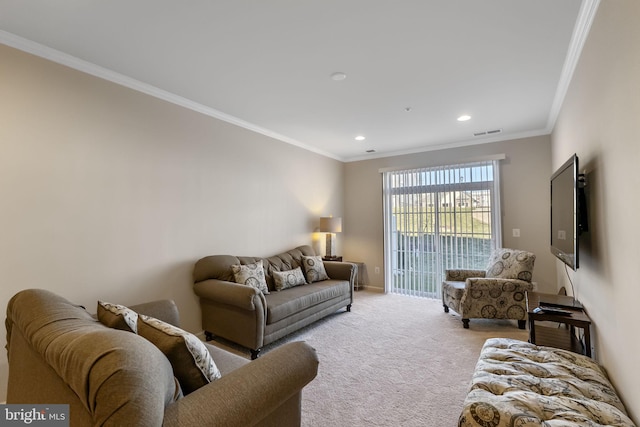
column 488, row 132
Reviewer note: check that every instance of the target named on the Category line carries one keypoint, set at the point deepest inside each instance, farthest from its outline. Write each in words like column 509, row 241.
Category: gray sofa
column 60, row 354
column 244, row 315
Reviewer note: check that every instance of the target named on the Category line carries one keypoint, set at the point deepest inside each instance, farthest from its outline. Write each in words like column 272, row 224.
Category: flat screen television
column 568, row 212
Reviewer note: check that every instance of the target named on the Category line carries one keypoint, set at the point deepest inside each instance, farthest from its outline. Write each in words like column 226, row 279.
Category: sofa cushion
column 251, row 275
column 290, row 259
column 281, row 305
column 288, row 279
column 117, row 316
column 314, row 268
column 191, row 361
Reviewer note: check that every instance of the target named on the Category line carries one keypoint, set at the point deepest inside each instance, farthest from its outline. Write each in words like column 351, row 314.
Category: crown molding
column 585, row 18
column 450, row 145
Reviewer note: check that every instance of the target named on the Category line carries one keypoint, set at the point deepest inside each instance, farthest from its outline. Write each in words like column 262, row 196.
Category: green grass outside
column 451, row 221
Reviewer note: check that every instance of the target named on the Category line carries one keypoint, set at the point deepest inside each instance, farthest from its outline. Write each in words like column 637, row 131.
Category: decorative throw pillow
column 288, row 279
column 251, row 275
column 511, row 264
column 117, row 316
column 314, row 268
column 192, row 364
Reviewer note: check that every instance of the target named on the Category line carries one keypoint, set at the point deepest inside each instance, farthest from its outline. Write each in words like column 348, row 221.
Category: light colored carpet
column 393, row 361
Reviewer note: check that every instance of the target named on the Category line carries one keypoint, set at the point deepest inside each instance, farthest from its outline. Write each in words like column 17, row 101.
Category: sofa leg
column 465, row 323
column 521, row 324
column 446, row 308
column 208, row 336
column 255, row 354
column 349, row 308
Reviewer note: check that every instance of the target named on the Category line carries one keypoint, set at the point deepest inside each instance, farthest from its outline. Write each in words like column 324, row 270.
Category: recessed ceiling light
column 464, row 118
column 360, row 138
column 338, row 75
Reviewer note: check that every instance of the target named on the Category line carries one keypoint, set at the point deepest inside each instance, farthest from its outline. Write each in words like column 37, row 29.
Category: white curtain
column 436, row 218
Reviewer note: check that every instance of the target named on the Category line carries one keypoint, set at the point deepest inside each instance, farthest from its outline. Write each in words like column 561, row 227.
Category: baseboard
column 371, row 289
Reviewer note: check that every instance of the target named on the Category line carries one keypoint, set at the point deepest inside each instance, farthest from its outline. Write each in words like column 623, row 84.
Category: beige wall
column 600, row 121
column 525, row 202
column 108, row 193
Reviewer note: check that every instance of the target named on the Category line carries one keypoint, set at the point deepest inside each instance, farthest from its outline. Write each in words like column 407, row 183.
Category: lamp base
column 330, row 251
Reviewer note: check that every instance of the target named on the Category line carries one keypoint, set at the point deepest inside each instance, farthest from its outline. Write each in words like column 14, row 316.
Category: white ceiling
column 266, row 65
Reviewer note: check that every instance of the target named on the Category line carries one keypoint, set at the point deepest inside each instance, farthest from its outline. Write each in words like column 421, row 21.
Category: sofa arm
column 340, row 270
column 251, row 393
column 232, row 311
column 234, row 294
column 460, row 275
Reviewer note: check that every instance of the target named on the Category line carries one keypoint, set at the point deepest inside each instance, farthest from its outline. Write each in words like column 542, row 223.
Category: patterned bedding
column 517, row 384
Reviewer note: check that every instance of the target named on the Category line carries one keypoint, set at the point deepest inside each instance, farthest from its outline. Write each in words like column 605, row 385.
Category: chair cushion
column 507, row 263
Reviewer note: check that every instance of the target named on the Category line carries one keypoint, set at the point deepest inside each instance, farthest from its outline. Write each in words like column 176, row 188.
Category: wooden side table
column 564, row 338
column 332, row 258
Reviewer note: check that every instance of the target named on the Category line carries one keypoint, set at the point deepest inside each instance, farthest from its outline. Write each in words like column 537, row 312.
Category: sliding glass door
column 439, row 218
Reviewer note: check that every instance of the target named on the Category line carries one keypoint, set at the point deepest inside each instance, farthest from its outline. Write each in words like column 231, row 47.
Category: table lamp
column 330, row 225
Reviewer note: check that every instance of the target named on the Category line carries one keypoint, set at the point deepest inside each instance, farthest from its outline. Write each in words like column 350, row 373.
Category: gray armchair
column 495, row 293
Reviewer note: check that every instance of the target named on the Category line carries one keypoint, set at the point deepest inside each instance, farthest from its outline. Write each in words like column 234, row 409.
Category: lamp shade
column 330, row 224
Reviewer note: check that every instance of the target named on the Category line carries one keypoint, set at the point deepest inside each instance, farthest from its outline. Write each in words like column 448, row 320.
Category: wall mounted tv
column 568, row 212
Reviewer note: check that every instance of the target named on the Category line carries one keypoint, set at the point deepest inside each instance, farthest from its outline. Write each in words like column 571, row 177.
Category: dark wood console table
column 559, row 337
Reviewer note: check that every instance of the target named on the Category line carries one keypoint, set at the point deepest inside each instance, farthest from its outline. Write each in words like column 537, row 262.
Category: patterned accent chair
column 497, row 293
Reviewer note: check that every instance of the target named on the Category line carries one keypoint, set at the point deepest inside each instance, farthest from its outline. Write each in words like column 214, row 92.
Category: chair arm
column 250, row 393
column 460, row 275
column 340, row 270
column 230, row 293
column 506, row 285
